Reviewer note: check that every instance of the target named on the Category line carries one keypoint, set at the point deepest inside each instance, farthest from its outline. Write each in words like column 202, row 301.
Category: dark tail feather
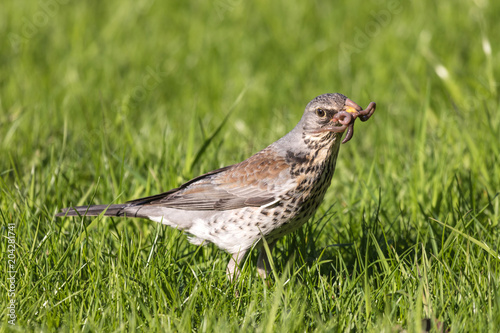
column 111, row 210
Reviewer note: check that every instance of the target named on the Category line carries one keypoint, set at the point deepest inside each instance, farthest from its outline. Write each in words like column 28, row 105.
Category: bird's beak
column 346, row 120
column 352, row 107
column 349, row 107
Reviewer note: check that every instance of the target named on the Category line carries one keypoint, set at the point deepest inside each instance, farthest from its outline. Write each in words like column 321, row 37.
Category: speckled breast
column 314, row 178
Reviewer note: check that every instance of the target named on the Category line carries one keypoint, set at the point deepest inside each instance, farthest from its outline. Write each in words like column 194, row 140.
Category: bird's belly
column 237, row 230
column 233, row 230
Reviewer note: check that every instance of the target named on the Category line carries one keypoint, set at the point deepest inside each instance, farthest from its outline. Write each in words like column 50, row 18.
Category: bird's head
column 332, row 113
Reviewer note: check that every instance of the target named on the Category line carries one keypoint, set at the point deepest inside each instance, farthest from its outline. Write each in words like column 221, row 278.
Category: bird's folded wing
column 257, row 181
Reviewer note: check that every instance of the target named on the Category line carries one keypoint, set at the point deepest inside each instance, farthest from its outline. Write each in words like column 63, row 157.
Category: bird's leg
column 263, row 265
column 233, row 267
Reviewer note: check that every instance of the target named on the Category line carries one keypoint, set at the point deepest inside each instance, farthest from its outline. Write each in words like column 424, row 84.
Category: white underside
column 232, row 239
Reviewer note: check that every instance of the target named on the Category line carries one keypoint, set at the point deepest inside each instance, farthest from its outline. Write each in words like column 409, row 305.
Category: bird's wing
column 257, row 181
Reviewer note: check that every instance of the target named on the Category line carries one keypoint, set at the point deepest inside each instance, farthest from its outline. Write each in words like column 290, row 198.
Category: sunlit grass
column 103, row 102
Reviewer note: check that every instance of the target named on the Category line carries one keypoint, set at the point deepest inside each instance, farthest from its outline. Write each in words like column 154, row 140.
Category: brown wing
column 254, row 182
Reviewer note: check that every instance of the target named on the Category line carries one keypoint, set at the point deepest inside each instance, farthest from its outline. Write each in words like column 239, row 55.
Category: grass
column 106, row 101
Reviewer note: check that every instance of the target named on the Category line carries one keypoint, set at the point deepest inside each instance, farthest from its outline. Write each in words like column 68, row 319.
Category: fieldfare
column 269, row 195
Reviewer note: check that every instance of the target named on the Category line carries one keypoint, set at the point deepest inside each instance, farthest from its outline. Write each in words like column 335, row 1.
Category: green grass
column 106, row 101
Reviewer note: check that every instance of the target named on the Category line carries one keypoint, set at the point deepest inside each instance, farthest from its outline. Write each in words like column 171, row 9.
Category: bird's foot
column 233, row 269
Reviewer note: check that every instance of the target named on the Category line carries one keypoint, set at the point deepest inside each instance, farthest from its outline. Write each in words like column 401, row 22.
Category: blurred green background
column 106, row 101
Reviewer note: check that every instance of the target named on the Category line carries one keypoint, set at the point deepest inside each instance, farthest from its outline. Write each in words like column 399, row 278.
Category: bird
column 267, row 196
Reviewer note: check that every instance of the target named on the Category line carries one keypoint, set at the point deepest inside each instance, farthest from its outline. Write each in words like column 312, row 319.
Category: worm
column 347, row 120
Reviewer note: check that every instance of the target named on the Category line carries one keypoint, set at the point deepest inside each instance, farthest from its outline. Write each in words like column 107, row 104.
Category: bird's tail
column 96, row 210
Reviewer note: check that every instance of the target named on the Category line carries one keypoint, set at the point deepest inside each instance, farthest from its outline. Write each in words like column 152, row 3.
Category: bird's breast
column 311, row 174
column 313, row 179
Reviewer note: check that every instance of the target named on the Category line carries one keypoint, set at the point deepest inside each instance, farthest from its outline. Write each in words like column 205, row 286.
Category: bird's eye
column 320, row 113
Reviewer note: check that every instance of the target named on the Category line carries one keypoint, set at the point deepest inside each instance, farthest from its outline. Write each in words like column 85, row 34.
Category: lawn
column 107, row 101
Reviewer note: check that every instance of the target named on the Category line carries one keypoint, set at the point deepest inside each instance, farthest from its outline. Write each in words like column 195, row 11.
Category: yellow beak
column 351, row 107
